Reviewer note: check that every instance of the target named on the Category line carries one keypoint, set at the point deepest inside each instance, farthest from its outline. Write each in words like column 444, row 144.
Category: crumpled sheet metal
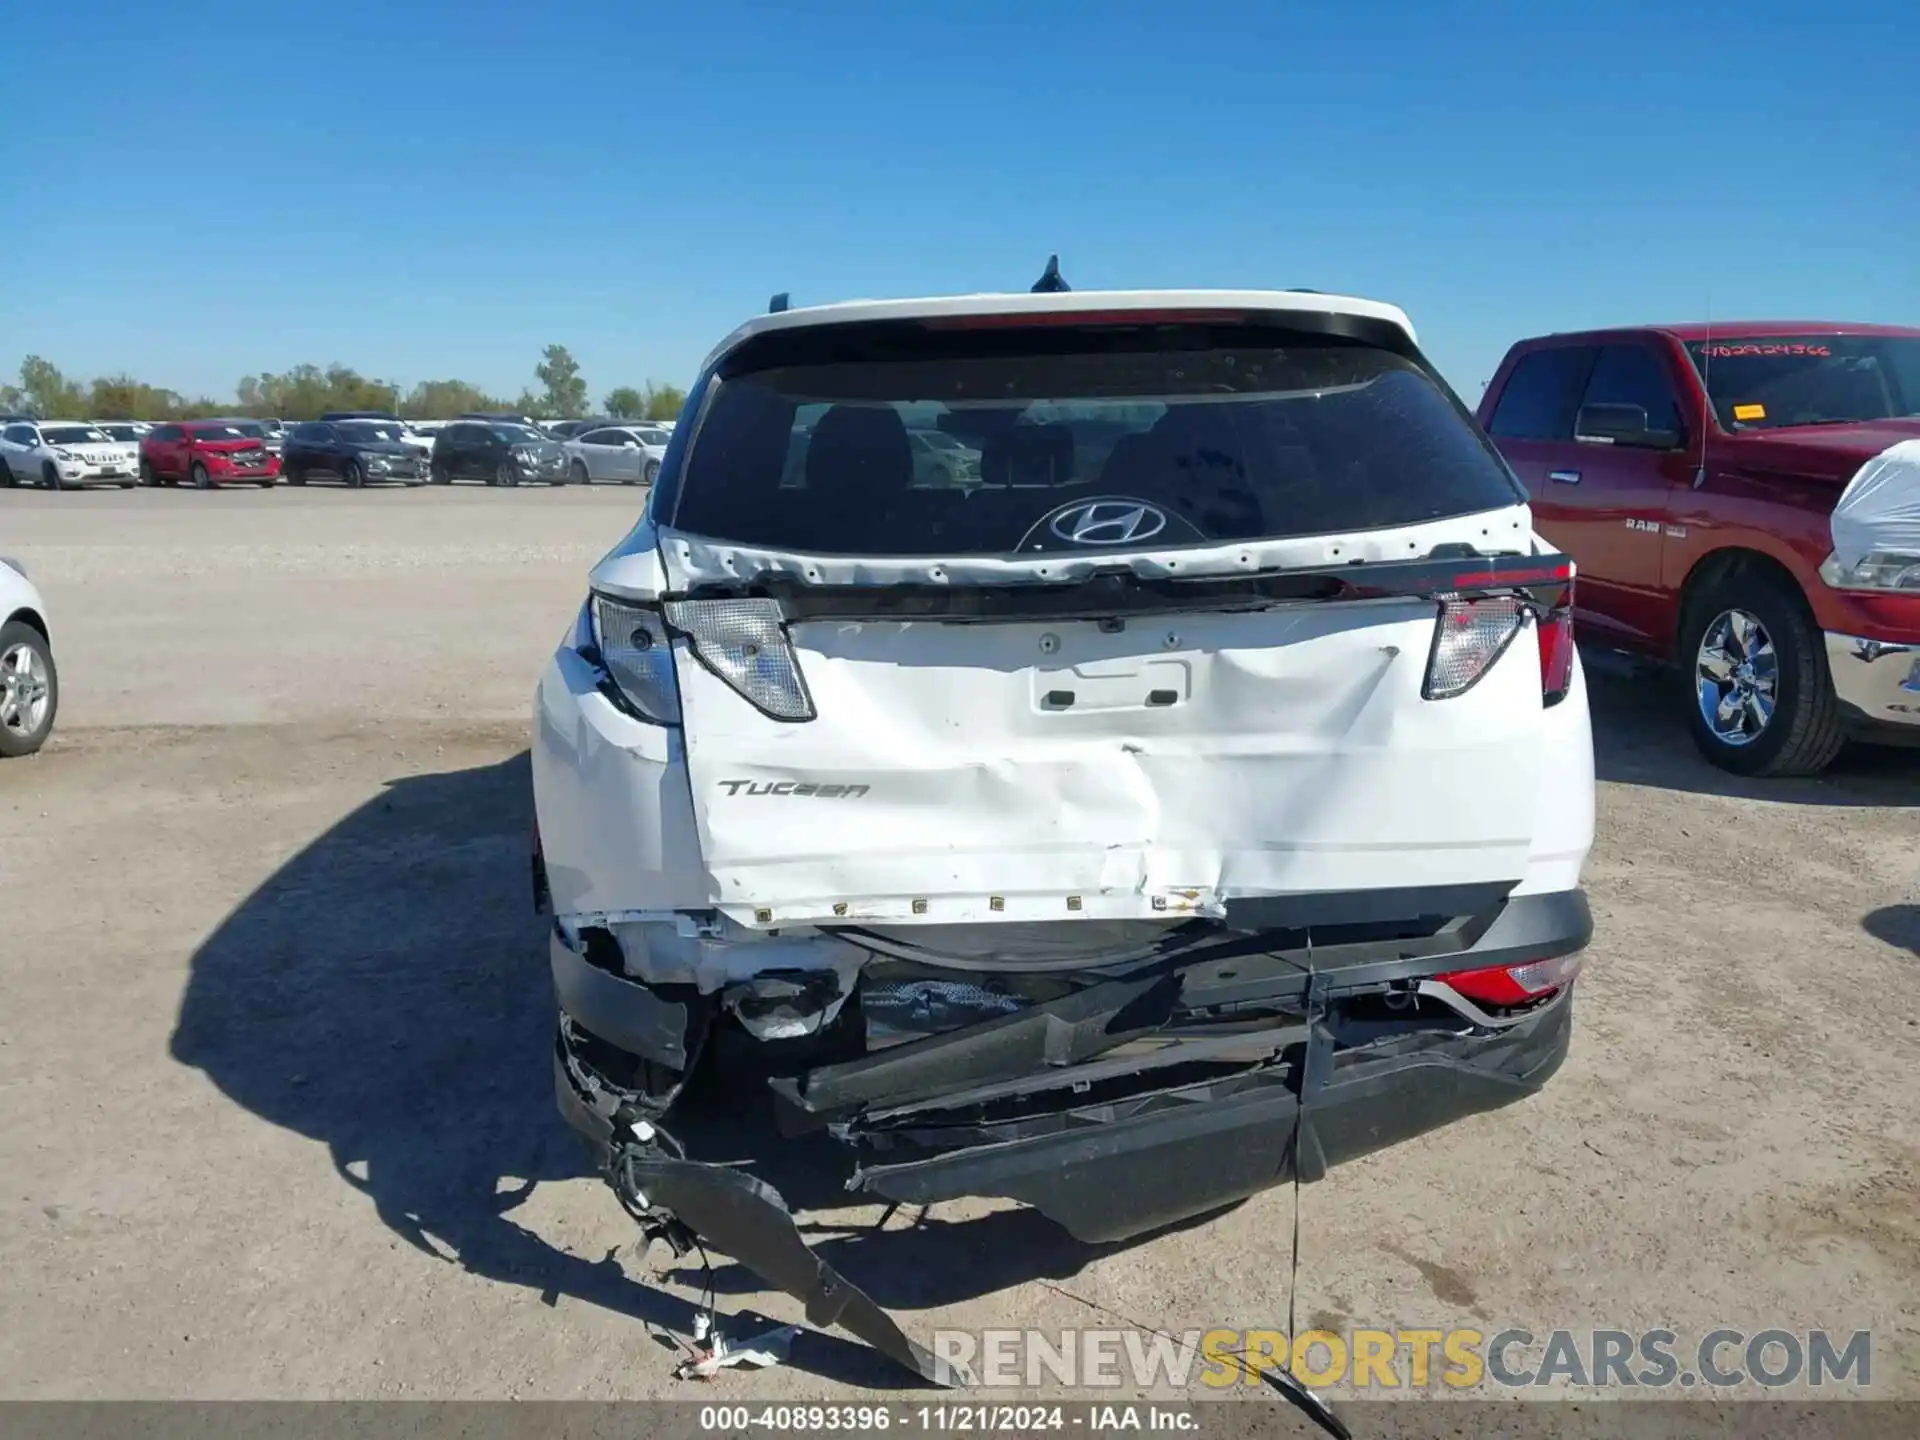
column 746, row 1218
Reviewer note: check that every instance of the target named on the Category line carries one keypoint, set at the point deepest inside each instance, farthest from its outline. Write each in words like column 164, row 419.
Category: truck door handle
column 1564, row 477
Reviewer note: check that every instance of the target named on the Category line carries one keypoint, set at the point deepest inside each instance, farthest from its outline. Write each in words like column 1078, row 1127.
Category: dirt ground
column 274, row 1022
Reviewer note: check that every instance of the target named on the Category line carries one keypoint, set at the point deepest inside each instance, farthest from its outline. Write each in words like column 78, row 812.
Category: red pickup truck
column 1742, row 502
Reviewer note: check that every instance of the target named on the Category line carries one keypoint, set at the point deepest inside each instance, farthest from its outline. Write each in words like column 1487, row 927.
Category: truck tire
column 1753, row 669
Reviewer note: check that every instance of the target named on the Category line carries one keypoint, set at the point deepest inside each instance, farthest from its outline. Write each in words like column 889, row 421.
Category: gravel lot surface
column 274, row 1037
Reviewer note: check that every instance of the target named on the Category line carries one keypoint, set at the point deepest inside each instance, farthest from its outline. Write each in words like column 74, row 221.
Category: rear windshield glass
column 1776, row 381
column 1082, row 440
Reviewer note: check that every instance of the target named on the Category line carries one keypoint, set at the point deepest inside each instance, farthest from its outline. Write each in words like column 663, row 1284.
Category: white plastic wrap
column 1880, row 508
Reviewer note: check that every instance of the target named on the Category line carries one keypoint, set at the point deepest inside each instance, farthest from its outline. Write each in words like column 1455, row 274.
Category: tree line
column 307, row 391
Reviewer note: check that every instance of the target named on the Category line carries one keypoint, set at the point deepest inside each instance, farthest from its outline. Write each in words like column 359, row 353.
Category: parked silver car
column 630, row 454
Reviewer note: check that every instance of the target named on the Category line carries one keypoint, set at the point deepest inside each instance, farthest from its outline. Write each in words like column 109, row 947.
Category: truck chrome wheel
column 1737, row 678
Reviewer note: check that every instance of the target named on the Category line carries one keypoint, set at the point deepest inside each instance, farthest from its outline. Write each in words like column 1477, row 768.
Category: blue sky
column 202, row 190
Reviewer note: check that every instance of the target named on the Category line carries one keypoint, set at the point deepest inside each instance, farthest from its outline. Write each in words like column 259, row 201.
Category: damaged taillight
column 1556, row 653
column 744, row 642
column 1504, row 985
column 636, row 654
column 1471, row 635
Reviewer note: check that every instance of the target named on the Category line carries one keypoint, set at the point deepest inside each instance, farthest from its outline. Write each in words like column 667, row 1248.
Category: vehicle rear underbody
column 1116, row 1098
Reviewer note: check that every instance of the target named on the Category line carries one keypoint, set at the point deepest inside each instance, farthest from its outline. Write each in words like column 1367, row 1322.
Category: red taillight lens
column 1556, row 654
column 1515, row 984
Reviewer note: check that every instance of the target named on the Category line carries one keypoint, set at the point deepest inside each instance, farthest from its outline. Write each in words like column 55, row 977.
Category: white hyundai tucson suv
column 1193, row 798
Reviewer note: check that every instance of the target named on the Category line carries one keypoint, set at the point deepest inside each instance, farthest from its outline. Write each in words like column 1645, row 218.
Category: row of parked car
column 1741, row 500
column 351, row 447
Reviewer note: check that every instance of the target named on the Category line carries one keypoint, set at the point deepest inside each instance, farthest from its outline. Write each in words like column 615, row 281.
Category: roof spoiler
column 1051, row 282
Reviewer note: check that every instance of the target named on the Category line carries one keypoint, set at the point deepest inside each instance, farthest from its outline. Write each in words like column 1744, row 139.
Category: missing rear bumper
column 1127, row 1100
column 1109, row 1172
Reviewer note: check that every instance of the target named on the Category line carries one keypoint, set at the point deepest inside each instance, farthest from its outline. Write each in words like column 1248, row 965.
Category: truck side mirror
column 1621, row 425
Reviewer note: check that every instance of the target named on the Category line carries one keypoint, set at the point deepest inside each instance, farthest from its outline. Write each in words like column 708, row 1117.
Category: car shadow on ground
column 1640, row 738
column 385, row 992
column 1897, row 925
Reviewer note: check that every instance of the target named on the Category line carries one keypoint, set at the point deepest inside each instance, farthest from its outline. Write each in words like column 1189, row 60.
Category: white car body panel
column 975, row 792
column 18, row 593
column 1266, row 778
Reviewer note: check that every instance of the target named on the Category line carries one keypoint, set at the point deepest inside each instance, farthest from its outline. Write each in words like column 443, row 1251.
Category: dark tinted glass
column 1633, row 375
column 1220, row 443
column 1764, row 382
column 1542, row 394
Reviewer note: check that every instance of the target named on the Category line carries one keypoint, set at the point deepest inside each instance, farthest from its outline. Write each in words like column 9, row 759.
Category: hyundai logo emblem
column 1108, row 522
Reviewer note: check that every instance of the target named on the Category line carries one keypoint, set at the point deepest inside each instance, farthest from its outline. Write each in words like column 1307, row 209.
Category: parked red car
column 208, row 453
column 1693, row 474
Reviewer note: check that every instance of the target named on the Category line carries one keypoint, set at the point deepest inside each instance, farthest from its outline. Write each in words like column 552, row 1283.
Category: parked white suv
column 1196, row 799
column 29, row 683
column 63, row 453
